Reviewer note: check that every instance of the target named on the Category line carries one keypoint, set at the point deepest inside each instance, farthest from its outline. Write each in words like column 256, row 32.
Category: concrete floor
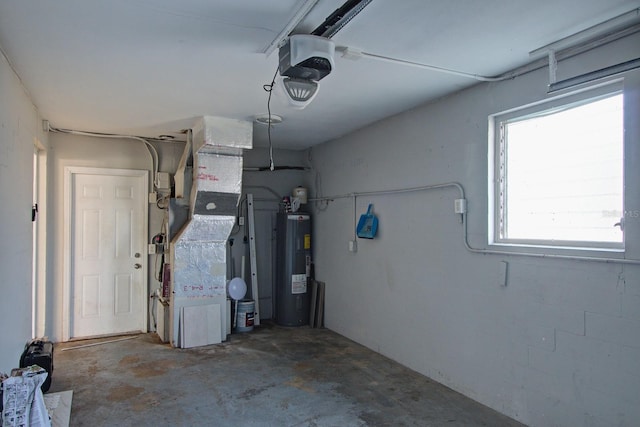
column 272, row 376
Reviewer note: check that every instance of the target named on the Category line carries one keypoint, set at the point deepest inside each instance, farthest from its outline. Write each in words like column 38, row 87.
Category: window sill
column 562, row 252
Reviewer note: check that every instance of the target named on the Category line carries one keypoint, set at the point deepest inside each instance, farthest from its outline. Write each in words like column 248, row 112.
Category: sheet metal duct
column 198, row 251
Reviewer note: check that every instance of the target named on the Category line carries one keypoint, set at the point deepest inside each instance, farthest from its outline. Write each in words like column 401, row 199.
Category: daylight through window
column 560, row 174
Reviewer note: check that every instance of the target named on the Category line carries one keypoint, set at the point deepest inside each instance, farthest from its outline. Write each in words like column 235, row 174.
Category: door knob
column 137, row 266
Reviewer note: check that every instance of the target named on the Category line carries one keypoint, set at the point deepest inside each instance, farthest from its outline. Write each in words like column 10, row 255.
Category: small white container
column 300, row 193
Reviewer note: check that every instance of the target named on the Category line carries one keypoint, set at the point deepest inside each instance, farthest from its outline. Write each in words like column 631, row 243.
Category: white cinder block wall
column 20, row 131
column 559, row 345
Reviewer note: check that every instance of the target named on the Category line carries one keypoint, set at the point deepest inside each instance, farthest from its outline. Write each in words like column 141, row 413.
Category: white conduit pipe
column 152, row 150
column 435, row 68
column 561, row 52
column 464, row 226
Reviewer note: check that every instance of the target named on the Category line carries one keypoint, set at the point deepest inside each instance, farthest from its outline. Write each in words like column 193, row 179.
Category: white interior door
column 108, row 252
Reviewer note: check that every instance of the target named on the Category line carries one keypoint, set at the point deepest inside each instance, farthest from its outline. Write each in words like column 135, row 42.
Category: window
column 559, row 173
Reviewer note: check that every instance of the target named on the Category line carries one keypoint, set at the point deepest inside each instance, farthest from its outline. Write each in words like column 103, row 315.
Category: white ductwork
column 198, row 251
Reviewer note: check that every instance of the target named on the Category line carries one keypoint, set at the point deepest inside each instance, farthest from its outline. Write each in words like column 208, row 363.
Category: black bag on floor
column 39, row 352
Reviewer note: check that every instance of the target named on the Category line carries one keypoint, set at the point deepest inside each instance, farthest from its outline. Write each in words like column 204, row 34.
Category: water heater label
column 307, row 241
column 298, row 283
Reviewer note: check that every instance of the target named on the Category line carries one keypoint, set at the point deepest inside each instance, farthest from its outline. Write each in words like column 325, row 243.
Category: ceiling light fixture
column 301, row 92
column 305, row 59
column 269, row 119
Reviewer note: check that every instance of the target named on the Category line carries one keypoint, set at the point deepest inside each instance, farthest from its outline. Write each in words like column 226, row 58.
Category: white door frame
column 34, row 238
column 40, row 242
column 69, row 172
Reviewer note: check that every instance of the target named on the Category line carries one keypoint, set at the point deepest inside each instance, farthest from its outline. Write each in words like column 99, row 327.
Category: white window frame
column 558, row 103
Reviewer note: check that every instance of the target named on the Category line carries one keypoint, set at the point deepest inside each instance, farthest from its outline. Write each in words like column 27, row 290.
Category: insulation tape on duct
column 210, row 203
column 218, row 173
column 200, row 269
column 217, row 133
column 198, row 251
column 207, row 228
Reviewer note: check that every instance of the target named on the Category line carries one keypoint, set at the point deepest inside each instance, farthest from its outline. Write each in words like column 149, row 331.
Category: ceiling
column 150, row 67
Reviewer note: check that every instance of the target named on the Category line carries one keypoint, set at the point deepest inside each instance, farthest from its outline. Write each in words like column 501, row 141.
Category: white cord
column 269, row 88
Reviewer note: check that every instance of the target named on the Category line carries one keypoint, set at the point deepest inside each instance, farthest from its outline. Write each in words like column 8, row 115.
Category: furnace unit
column 293, row 269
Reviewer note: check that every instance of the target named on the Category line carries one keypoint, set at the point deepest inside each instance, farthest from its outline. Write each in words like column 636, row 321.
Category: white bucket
column 245, row 315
